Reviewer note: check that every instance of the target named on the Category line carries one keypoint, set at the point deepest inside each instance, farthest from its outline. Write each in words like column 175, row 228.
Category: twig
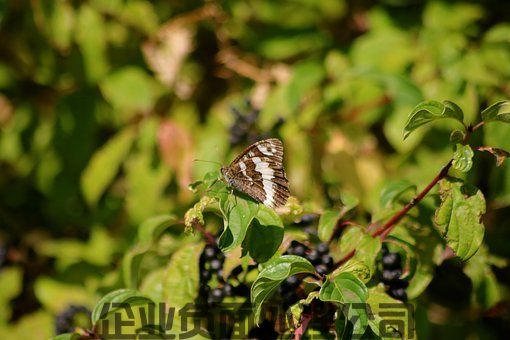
column 390, row 224
column 301, row 330
column 210, row 238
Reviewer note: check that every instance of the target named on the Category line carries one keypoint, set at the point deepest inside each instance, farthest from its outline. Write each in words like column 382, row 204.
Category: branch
column 208, row 236
column 390, row 224
column 301, row 330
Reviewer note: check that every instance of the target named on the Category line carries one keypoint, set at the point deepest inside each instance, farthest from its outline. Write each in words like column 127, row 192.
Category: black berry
column 66, row 321
column 313, row 256
column 228, row 289
column 299, row 250
column 291, row 282
column 321, row 269
column 216, row 264
column 322, row 248
column 398, row 293
column 209, row 252
column 391, row 261
column 327, row 260
column 205, row 275
column 389, row 276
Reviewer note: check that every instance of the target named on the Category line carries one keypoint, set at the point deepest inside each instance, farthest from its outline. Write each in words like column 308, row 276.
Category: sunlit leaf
column 463, row 158
column 458, row 218
column 499, row 111
column 349, row 291
column 105, row 164
column 273, row 275
column 429, row 111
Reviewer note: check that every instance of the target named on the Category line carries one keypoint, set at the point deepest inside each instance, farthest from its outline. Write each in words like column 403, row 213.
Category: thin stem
column 390, row 224
column 301, row 330
column 209, row 237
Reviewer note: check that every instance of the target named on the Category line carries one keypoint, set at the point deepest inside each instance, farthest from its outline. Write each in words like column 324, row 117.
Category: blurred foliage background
column 105, row 104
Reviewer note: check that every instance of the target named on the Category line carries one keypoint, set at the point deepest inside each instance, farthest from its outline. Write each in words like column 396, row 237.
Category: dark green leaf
column 458, row 217
column 499, row 111
column 352, row 293
column 485, row 285
column 273, row 275
column 429, row 111
column 463, row 157
column 238, row 213
column 264, row 235
column 117, row 296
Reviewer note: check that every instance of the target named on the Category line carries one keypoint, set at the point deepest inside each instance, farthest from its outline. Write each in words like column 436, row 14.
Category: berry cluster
column 72, row 317
column 392, row 271
column 211, row 269
column 318, row 256
column 244, row 127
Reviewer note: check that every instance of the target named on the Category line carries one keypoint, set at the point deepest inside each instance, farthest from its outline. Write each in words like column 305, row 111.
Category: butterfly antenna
column 201, row 160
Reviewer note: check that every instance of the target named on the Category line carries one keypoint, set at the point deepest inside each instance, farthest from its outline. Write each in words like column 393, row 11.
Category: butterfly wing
column 258, row 172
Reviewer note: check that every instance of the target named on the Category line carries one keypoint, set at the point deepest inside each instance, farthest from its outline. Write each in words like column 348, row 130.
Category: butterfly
column 258, row 172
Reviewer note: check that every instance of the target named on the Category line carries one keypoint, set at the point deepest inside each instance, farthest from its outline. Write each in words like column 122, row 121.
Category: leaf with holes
column 458, row 217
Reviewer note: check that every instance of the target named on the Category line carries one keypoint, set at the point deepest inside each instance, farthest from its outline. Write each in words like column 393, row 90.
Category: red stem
column 209, row 237
column 390, row 224
column 301, row 330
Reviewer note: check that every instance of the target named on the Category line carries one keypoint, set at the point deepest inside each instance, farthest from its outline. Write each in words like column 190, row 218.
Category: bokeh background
column 105, row 104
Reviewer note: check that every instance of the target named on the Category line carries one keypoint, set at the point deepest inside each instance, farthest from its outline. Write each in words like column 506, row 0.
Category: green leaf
column 128, row 296
column 11, row 282
column 327, row 224
column 458, row 217
column 429, row 111
column 377, row 300
column 238, row 213
column 180, row 285
column 463, row 158
column 56, row 296
column 273, row 275
column 485, row 285
column 67, row 336
column 264, row 235
column 499, row 111
column 91, row 38
column 330, row 218
column 352, row 293
column 105, row 164
column 457, row 136
column 152, row 228
column 365, row 246
column 130, row 90
column 393, row 191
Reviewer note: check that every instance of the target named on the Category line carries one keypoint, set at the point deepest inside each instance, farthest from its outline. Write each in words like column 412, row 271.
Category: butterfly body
column 258, row 172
